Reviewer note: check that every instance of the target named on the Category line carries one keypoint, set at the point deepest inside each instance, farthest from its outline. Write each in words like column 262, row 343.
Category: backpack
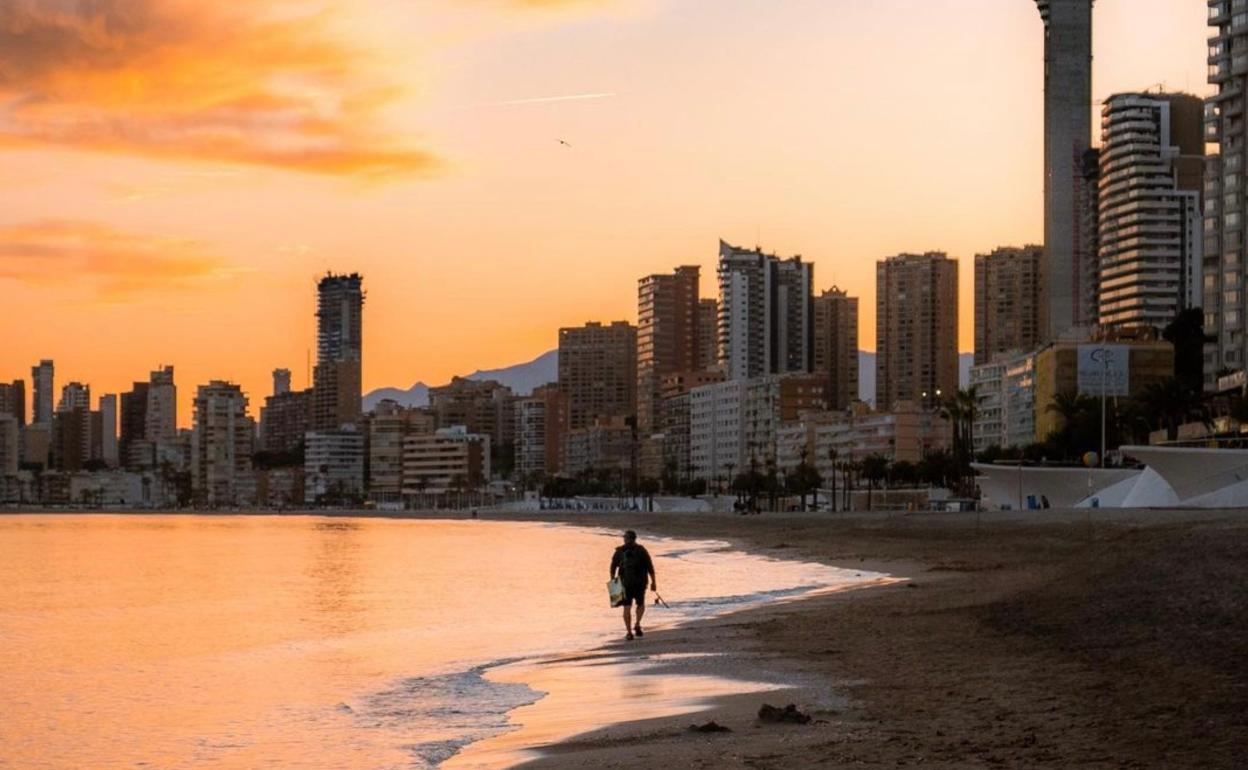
column 632, row 565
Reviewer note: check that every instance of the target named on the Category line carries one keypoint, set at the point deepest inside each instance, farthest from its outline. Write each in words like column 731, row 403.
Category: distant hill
column 523, row 378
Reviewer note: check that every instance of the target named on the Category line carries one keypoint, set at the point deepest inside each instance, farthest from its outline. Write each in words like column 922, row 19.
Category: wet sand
column 1062, row 639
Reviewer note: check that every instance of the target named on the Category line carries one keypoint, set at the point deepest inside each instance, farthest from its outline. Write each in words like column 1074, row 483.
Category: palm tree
column 1171, row 403
column 874, row 470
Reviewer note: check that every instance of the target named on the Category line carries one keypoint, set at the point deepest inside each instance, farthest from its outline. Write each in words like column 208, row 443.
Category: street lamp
column 1103, row 356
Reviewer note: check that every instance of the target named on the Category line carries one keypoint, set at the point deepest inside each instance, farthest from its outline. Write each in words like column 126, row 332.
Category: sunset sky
column 176, row 173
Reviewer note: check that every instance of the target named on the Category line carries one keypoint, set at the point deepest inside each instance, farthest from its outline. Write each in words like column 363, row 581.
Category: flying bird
column 565, row 144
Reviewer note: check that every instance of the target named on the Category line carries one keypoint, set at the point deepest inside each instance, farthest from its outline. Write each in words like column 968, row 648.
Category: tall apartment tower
column 836, row 346
column 221, row 446
column 598, row 372
column 339, row 346
column 162, row 406
column 1069, row 268
column 708, row 334
column 1008, row 297
column 916, row 305
column 281, row 381
column 108, row 430
column 1151, row 239
column 43, row 378
column 765, row 313
column 1226, row 207
column 13, row 400
column 74, row 395
column 667, row 335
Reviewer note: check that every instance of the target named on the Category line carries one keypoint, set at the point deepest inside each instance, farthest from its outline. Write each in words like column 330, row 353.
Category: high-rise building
column 339, row 347
column 74, row 395
column 284, row 419
column 388, row 426
column 765, row 313
column 13, row 400
column 221, row 446
column 1151, row 242
column 108, row 430
column 71, row 445
column 162, row 406
column 333, row 469
column 675, row 421
column 708, row 334
column 836, row 346
column 1225, row 278
column 667, row 335
column 1069, row 269
column 1008, row 297
column 133, row 448
column 540, row 433
column 437, row 464
column 281, row 381
column 916, row 329
column 43, row 377
column 598, row 371
column 10, row 445
column 481, row 406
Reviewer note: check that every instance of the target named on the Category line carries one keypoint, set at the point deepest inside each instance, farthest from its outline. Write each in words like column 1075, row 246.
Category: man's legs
column 628, row 617
column 641, row 610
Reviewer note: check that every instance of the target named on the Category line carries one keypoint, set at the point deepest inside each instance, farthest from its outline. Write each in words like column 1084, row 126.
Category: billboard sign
column 1104, row 369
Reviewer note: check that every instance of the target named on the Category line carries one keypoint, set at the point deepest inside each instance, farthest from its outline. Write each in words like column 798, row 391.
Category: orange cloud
column 114, row 263
column 260, row 82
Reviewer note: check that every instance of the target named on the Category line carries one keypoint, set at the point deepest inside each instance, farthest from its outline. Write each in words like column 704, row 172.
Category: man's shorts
column 634, row 593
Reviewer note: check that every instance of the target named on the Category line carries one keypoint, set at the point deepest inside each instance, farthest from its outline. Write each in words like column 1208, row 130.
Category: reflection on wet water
column 303, row 642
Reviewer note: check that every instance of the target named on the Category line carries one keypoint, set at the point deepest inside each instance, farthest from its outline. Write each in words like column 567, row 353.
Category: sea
column 252, row 641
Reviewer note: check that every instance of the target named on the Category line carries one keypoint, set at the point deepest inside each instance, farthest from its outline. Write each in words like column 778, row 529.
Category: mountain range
column 523, row 378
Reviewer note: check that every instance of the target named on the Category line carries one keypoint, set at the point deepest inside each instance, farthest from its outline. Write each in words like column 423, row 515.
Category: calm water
column 253, row 642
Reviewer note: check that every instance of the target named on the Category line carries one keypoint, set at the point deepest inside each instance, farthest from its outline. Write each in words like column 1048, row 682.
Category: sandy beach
column 1063, row 639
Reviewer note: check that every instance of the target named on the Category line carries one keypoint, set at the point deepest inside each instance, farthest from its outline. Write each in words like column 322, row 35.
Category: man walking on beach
column 633, row 564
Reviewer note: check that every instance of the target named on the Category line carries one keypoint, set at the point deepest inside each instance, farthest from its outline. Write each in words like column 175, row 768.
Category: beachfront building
column 604, row 447
column 598, row 371
column 540, row 433
column 388, row 426
column 13, row 400
column 1068, row 271
column 10, row 444
column 1008, row 301
column 333, row 466
column 766, row 313
column 717, row 431
column 1151, row 244
column 222, row 441
column 1225, row 278
column 836, row 346
column 440, row 463
column 336, row 380
column 1007, row 393
column 667, row 336
column 734, row 424
column 916, row 305
column 907, row 433
column 43, row 378
column 1148, row 360
column 675, row 420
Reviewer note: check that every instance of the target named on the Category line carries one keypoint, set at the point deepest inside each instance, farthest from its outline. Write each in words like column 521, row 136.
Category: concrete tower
column 1069, row 271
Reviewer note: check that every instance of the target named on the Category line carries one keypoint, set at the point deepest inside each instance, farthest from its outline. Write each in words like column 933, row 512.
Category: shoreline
column 1053, row 640
column 1089, row 638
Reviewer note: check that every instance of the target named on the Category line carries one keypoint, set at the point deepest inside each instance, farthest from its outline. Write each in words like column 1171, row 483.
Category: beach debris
column 710, row 727
column 787, row 715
